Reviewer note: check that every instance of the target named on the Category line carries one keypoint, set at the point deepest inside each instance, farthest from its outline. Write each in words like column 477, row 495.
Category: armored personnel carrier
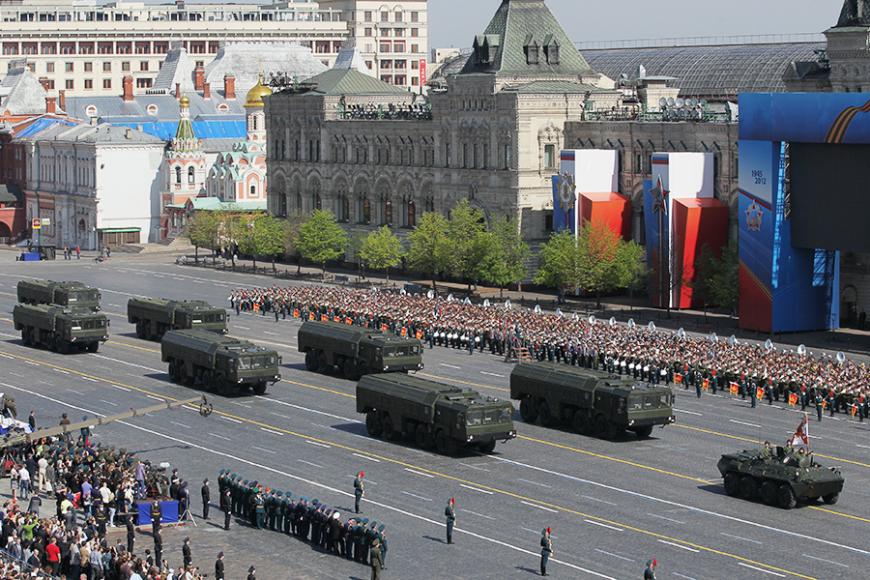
column 432, row 414
column 779, row 476
column 591, row 402
column 60, row 329
column 69, row 294
column 218, row 363
column 154, row 316
column 356, row 351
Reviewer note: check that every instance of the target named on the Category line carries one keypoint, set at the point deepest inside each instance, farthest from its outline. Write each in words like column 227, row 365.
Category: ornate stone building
column 374, row 154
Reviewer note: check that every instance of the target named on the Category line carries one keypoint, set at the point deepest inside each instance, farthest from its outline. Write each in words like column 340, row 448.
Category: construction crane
column 12, row 439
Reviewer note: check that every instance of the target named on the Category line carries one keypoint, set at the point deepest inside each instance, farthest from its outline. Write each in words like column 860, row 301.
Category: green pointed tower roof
column 524, row 39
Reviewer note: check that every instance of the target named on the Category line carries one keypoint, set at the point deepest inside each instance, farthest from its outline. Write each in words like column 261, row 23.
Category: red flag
column 759, row 393
column 792, row 399
column 705, row 384
column 802, row 435
column 678, row 378
column 733, row 387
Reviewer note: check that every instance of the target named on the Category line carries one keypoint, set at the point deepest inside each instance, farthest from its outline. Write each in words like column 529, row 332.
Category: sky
column 455, row 22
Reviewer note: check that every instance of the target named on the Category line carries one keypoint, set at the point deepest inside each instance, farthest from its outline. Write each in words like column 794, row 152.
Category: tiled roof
column 349, row 81
column 854, row 15
column 151, row 108
column 553, row 87
column 206, row 130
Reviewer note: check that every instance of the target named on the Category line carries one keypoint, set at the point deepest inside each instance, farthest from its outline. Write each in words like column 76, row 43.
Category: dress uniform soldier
column 219, row 567
column 832, row 403
column 205, row 492
column 158, row 549
column 650, row 572
column 185, row 553
column 131, row 534
column 377, row 562
column 359, row 489
column 818, row 406
column 227, row 504
column 450, row 515
column 546, row 550
column 155, row 517
column 259, row 509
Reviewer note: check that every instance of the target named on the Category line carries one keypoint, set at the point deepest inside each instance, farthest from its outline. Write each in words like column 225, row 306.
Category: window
column 253, row 191
column 143, row 83
column 368, row 32
column 89, row 84
column 89, row 67
column 91, row 111
column 398, row 47
column 191, row 176
column 415, row 48
column 399, row 16
column 415, row 32
column 125, row 66
column 69, row 67
column 49, row 84
column 70, row 85
column 368, row 16
column 107, row 67
column 549, row 157
column 178, row 174
column 532, row 53
column 385, row 47
column 415, row 82
column 49, row 67
column 385, row 16
column 143, row 65
column 465, row 155
column 399, row 32
column 415, row 17
column 506, row 157
column 107, row 83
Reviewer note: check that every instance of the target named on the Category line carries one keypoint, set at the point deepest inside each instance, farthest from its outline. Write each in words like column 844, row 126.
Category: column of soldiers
column 307, row 520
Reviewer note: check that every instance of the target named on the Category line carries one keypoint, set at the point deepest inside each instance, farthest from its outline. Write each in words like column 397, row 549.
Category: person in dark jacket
column 650, row 572
column 219, row 567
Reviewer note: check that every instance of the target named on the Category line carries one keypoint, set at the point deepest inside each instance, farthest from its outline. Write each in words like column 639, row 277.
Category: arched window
column 411, row 220
column 253, row 191
column 178, row 174
column 365, row 210
column 388, row 212
column 191, row 175
column 317, row 202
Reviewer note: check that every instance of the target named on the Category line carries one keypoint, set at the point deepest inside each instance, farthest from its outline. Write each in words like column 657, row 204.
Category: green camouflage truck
column 154, row 316
column 356, row 351
column 432, row 414
column 218, row 363
column 69, row 294
column 60, row 329
column 591, row 402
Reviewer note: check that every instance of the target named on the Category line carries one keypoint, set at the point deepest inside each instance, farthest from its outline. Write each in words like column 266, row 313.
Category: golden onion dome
column 257, row 93
column 184, row 102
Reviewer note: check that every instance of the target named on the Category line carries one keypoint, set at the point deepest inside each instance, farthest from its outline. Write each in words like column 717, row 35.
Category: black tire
column 579, row 422
column 544, row 414
column 322, row 363
column 25, row 337
column 260, row 389
column 311, row 363
column 348, row 369
column 732, row 484
column 785, row 497
column 172, row 372
column 422, row 437
column 748, row 488
column 185, row 379
column 140, row 329
column 643, row 432
column 600, row 425
column 831, row 498
column 373, row 424
column 93, row 347
column 528, row 411
column 444, row 445
column 768, row 492
column 388, row 428
column 487, row 447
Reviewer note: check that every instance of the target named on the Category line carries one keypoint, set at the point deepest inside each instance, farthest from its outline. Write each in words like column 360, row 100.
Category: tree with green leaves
column 469, row 242
column 381, row 250
column 505, row 263
column 608, row 262
column 728, row 287
column 707, row 268
column 716, row 280
column 203, row 231
column 321, row 239
column 560, row 266
column 429, row 248
column 265, row 237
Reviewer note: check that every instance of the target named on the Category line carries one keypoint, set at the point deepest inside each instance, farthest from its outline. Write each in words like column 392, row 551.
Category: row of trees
column 597, row 261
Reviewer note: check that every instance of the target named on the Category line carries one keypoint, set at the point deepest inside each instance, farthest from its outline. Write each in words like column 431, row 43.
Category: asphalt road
column 612, row 504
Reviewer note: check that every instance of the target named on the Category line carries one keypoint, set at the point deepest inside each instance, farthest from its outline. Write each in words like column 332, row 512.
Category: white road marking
column 826, row 561
column 688, row 412
column 741, row 538
column 310, row 463
column 120, row 388
column 540, row 507
column 606, row 553
column 60, row 371
column 315, row 411
column 108, row 402
column 6, row 356
column 477, row 489
column 231, row 420
column 420, row 473
column 473, row 467
column 129, row 364
column 450, row 366
column 594, row 523
column 269, row 451
column 414, row 495
column 272, row 431
column 465, row 511
column 241, row 327
column 267, row 333
column 757, row 569
column 411, row 515
column 89, row 379
column 680, row 546
column 534, row 483
column 182, row 425
column 361, row 456
column 79, row 393
column 219, row 436
column 241, row 404
column 744, row 423
column 279, row 415
column 492, row 374
column 14, row 374
column 682, row 576
column 156, row 398
column 666, row 518
column 310, row 442
column 595, row 499
column 856, row 445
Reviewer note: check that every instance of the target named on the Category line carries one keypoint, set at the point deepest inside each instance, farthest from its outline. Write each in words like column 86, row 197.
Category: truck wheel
column 732, row 484
column 600, row 426
column 544, row 414
column 373, row 425
column 388, row 430
column 260, row 389
column 786, row 497
column 643, row 432
column 348, row 369
column 527, row 410
column 831, row 498
column 748, row 488
column 768, row 492
column 487, row 447
column 579, row 422
column 140, row 329
column 422, row 437
column 444, row 445
column 25, row 338
column 612, row 431
column 174, row 371
column 311, row 361
column 93, row 347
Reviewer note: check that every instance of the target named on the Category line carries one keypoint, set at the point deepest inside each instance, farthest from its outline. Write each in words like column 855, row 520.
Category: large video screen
column 830, row 196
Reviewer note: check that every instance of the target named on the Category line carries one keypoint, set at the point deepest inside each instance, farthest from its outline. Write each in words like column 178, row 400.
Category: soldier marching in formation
column 308, row 520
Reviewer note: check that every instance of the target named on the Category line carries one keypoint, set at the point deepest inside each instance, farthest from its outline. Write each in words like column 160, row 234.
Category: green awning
column 120, row 230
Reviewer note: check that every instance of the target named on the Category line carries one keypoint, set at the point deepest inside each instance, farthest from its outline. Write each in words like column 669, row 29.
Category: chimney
column 128, row 88
column 198, row 78
column 128, row 134
column 61, row 100
column 51, row 105
column 229, row 87
column 44, row 82
column 177, row 91
column 206, row 91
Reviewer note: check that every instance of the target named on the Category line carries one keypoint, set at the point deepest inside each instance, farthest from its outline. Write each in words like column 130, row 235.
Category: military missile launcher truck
column 432, row 414
column 591, row 402
column 60, row 329
column 356, row 351
column 218, row 363
column 69, row 294
column 154, row 316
